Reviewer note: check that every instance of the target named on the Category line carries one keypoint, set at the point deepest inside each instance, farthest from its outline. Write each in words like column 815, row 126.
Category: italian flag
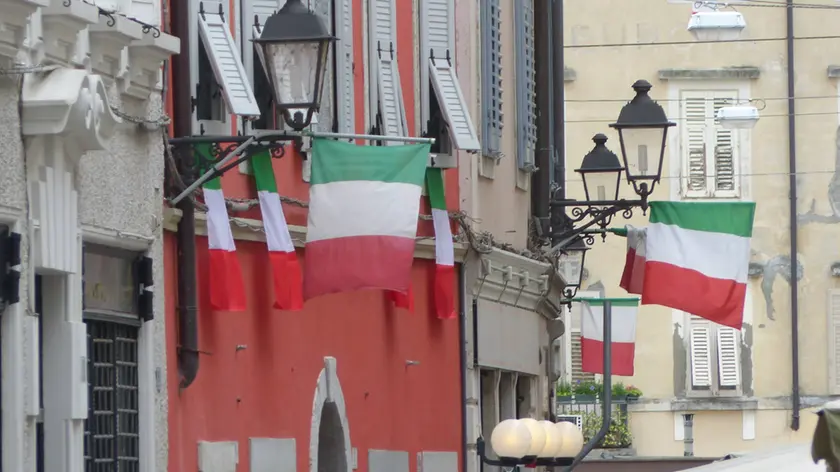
column 623, row 336
column 444, row 249
column 633, row 277
column 285, row 270
column 363, row 207
column 697, row 256
column 227, row 289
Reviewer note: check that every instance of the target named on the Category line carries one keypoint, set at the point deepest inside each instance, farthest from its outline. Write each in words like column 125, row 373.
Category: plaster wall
column 604, row 76
column 119, row 204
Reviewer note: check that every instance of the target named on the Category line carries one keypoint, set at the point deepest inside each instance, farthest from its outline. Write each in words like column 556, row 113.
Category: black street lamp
column 642, row 130
column 570, row 265
column 293, row 47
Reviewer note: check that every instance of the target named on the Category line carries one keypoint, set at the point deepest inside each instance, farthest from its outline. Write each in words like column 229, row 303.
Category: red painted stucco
column 258, row 375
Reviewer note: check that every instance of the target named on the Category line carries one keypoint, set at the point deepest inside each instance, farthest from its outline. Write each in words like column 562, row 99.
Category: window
column 714, row 358
column 388, row 117
column 443, row 110
column 221, row 83
column 526, row 115
column 710, row 153
column 111, row 315
column 491, row 79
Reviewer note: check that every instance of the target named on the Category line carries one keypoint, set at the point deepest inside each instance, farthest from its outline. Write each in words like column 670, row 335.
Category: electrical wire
column 690, row 43
column 773, row 115
column 772, row 99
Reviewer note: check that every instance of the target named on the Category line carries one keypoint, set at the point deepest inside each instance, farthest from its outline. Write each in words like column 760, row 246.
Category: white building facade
column 82, row 137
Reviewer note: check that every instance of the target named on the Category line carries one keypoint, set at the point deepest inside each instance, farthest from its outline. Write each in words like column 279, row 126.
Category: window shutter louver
column 728, row 358
column 526, row 136
column 724, row 158
column 700, row 346
column 436, row 34
column 384, row 57
column 694, row 147
column 834, row 340
column 345, row 93
column 578, row 375
column 326, row 112
column 491, row 78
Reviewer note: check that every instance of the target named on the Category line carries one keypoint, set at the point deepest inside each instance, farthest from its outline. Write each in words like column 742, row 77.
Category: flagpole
column 606, row 414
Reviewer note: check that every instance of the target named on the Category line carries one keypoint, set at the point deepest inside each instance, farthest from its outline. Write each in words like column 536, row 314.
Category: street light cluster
column 530, row 442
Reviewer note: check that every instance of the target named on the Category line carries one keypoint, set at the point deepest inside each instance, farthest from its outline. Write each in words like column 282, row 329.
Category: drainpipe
column 462, row 355
column 541, row 180
column 559, row 88
column 794, row 257
column 182, row 126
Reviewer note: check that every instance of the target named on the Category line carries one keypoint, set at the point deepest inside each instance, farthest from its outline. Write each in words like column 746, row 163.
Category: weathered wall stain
column 833, row 195
column 773, row 267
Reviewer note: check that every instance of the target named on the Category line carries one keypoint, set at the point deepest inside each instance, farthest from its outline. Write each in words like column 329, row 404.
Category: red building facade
column 350, row 382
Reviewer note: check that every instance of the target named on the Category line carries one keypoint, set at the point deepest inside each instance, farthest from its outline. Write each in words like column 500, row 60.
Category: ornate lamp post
column 528, row 442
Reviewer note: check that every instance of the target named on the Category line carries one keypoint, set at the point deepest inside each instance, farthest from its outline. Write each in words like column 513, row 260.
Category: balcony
column 581, row 403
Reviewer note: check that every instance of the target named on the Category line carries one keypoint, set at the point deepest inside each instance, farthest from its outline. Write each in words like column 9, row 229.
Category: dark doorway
column 331, row 447
column 39, row 425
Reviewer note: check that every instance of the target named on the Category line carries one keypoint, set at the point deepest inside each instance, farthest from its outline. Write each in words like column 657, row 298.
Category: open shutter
column 491, row 78
column 345, row 93
column 326, row 112
column 725, row 153
column 834, row 341
column 227, row 66
column 700, row 346
column 147, row 11
column 453, row 105
column 384, row 58
column 254, row 15
column 728, row 358
column 526, row 118
column 694, row 146
column 437, row 38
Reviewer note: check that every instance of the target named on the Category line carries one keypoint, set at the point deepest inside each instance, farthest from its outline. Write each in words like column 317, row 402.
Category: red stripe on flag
column 633, row 277
column 718, row 300
column 357, row 263
column 227, row 289
column 288, row 280
column 592, row 354
column 402, row 300
column 445, row 291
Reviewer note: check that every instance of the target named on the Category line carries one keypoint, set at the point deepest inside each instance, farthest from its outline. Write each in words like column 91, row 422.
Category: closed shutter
column 326, row 113
column 725, row 150
column 491, row 78
column 227, row 66
column 700, row 347
column 437, row 33
column 386, row 70
column 694, row 146
column 728, row 358
column 254, row 15
column 147, row 11
column 526, row 118
column 834, row 341
column 345, row 93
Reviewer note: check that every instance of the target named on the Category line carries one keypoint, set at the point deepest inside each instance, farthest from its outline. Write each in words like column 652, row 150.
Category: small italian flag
column 285, row 269
column 623, row 335
column 696, row 258
column 227, row 289
column 444, row 250
column 633, row 277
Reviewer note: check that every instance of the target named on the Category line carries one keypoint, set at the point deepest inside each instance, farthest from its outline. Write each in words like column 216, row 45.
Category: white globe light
column 511, row 439
column 553, row 440
column 537, row 436
column 572, row 439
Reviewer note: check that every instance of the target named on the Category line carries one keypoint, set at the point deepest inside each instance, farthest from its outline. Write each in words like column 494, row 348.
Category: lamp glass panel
column 570, row 266
column 642, row 150
column 294, row 72
column 601, row 185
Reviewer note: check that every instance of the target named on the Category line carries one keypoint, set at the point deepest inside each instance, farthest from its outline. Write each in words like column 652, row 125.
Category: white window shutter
column 728, row 358
column 227, row 65
column 384, row 56
column 834, row 341
column 254, row 13
column 453, row 105
column 700, row 347
column 326, row 112
column 345, row 92
column 725, row 156
column 694, row 146
column 437, row 39
column 147, row 11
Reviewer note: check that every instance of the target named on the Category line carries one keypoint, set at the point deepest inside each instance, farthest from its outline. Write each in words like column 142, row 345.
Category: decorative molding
column 61, row 27
column 423, row 249
column 141, row 71
column 115, row 238
column 724, row 73
column 108, row 39
column 652, row 405
column 569, row 74
column 14, row 18
column 72, row 104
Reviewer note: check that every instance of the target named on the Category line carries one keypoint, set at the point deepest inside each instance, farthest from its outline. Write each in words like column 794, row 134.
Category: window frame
column 715, row 390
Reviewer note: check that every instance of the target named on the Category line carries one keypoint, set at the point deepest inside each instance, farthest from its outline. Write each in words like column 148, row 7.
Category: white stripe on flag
column 444, row 250
column 276, row 230
column 218, row 225
column 623, row 323
column 717, row 255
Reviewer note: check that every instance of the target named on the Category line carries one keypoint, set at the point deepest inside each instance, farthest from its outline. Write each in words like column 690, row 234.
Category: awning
column 786, row 458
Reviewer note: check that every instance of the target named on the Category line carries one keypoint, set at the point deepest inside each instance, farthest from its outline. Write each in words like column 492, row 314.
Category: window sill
column 734, row 403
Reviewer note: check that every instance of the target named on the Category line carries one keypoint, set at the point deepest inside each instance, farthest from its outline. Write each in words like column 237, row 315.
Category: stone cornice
column 424, row 249
column 722, row 73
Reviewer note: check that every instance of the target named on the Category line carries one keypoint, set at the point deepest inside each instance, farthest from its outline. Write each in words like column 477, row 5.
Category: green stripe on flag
column 264, row 172
column 614, row 301
column 434, row 184
column 336, row 161
column 204, row 154
column 734, row 218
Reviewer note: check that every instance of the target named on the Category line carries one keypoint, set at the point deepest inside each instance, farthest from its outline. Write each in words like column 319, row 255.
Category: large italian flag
column 363, row 207
column 633, row 277
column 285, row 269
column 227, row 289
column 623, row 334
column 444, row 247
column 696, row 258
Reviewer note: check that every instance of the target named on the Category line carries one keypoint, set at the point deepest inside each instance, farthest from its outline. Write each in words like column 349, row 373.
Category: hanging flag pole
column 219, row 167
